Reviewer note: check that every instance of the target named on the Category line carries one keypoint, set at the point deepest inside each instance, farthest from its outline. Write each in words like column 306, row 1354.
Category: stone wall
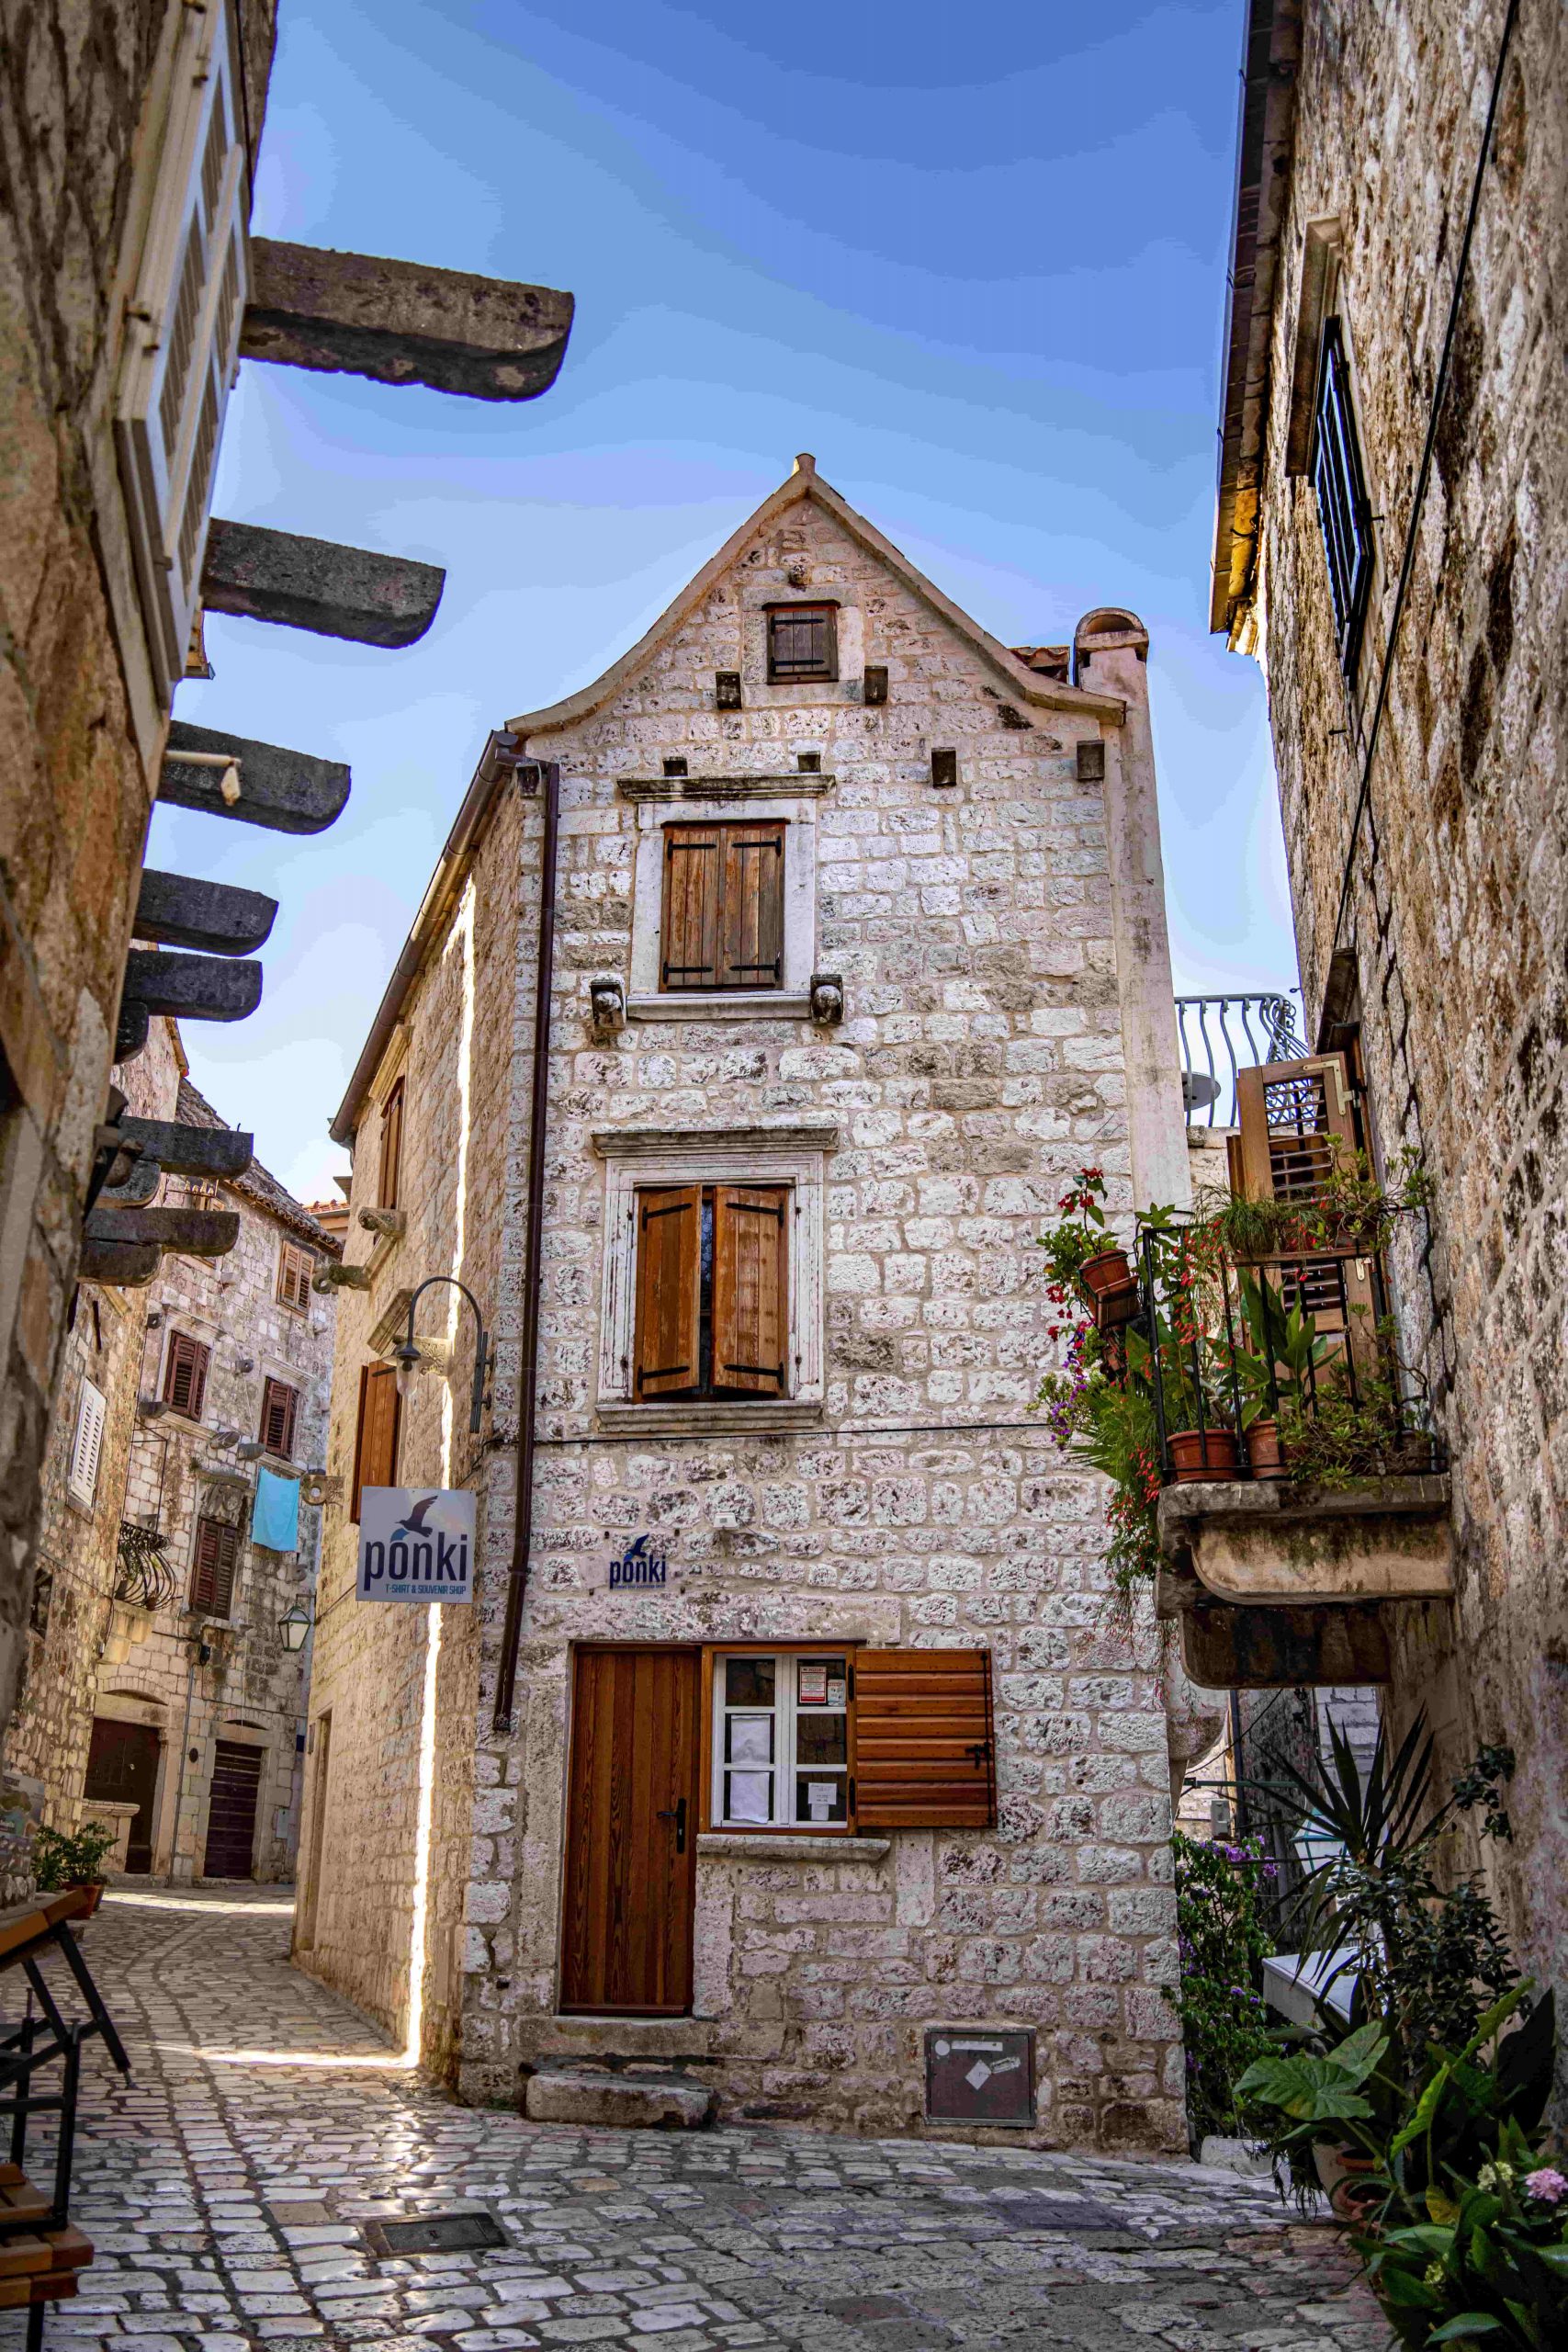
column 981, row 1061
column 1457, row 917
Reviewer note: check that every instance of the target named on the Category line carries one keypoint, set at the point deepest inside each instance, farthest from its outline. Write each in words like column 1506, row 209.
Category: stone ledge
column 744, row 1846
column 1268, row 1543
column 790, row 784
column 709, row 1418
column 724, row 1004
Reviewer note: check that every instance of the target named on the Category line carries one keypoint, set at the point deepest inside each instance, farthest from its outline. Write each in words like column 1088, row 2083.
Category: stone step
column 647, row 2102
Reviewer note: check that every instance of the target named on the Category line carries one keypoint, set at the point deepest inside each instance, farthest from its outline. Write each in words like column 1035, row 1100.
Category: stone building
column 793, row 1740
column 159, row 1692
column 1392, row 546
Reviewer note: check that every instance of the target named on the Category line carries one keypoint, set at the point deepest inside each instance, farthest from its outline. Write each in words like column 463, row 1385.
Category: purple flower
column 1548, row 2186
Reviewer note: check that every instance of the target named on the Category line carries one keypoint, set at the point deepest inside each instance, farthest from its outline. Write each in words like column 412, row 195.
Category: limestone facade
column 183, row 1668
column 1435, row 918
column 1001, row 950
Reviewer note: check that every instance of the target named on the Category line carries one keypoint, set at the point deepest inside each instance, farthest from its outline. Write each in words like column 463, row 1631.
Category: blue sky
column 974, row 260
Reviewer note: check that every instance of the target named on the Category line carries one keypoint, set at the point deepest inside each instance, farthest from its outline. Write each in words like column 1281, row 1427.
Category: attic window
column 802, row 643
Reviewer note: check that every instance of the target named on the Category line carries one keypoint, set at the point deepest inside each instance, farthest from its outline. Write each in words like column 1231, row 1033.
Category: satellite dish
column 1198, row 1089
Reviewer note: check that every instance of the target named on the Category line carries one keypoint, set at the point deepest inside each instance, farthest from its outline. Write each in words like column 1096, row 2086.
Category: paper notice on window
column 749, row 1796
column 838, row 1691
column 812, row 1687
column 750, row 1739
column 820, row 1799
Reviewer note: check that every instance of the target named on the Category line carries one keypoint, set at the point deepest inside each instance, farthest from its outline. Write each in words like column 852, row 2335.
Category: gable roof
column 1028, row 678
column 258, row 1184
column 805, row 482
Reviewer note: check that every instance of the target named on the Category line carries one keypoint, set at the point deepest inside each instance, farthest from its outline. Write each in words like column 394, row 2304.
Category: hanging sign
column 416, row 1543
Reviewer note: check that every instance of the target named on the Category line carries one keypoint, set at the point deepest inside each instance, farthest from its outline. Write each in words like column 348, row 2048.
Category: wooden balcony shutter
column 751, row 916
column 750, row 1289
column 212, row 1581
column 185, row 1375
column 924, row 1743
column 376, row 1438
column 295, row 1268
column 1296, row 1119
column 693, row 873
column 669, row 1289
column 390, row 1184
column 280, row 1404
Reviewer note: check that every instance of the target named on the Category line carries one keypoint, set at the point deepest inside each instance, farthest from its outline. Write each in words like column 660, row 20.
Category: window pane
column 748, row 1681
column 749, row 1796
column 748, row 1739
column 819, row 1798
column 820, row 1739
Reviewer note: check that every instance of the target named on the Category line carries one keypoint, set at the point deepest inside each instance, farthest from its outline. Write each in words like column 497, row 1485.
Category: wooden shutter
column 751, row 909
column 87, row 1445
column 376, row 1438
column 295, row 1268
column 693, row 873
column 669, row 1289
column 181, row 348
column 391, row 1171
column 924, row 1745
column 212, row 1580
column 1296, row 1119
column 750, row 1288
column 280, row 1404
column 185, row 1375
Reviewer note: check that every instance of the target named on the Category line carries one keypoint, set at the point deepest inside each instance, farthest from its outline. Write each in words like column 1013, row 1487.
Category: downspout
column 528, row 1368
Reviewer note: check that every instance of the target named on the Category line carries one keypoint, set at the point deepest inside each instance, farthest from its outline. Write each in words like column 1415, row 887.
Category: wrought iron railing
column 145, row 1577
column 1222, row 1034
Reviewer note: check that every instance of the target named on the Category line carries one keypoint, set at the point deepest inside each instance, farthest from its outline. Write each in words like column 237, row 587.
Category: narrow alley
column 237, row 2191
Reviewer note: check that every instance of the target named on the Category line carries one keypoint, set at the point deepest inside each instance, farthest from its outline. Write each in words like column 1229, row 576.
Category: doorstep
column 622, row 2101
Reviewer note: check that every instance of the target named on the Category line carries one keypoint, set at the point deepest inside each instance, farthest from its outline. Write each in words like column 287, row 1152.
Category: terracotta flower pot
column 1265, row 1455
column 1196, row 1454
column 94, row 1890
column 1343, row 2172
column 1111, row 1288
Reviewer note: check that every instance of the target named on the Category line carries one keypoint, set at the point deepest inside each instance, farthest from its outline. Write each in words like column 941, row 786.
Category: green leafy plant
column 1223, row 1891
column 1080, row 1232
column 62, row 1858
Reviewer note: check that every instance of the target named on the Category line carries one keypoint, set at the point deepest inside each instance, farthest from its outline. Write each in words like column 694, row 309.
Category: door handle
column 677, row 1814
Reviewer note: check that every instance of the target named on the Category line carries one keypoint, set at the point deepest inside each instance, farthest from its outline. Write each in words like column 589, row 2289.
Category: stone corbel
column 826, row 999
column 608, row 1006
column 389, row 1224
column 336, row 1276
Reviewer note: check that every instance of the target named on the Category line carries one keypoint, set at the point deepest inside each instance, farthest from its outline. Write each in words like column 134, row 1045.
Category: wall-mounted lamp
column 294, row 1626
column 409, row 1357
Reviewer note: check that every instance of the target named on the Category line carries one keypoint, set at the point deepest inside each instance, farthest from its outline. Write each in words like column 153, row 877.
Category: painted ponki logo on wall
column 644, row 1562
column 416, row 1543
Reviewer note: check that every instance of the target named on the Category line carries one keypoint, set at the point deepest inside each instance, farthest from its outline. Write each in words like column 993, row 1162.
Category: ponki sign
column 416, row 1543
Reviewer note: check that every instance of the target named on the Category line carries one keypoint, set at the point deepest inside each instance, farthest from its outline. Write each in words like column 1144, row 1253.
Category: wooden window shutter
column 751, row 918
column 376, row 1438
column 295, row 1268
column 212, row 1580
column 1297, row 1120
column 181, row 349
column 280, row 1405
column 693, row 870
column 390, row 1184
column 185, row 1375
column 87, row 1445
column 669, row 1289
column 924, row 1741
column 750, row 1288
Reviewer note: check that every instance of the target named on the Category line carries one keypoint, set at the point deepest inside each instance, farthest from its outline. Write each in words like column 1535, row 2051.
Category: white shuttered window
column 86, row 1446
column 183, row 340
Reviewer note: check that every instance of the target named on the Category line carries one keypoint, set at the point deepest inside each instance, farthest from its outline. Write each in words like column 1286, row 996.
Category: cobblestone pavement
column 233, row 2191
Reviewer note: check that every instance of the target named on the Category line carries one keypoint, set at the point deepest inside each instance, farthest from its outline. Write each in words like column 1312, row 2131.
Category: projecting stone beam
column 179, row 912
column 318, row 584
column 289, row 791
column 191, row 1151
column 138, row 1186
column 192, row 988
column 122, row 1265
column 401, row 322
column 195, row 1233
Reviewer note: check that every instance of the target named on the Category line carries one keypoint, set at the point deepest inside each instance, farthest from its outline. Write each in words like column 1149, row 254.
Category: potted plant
column 1082, row 1256
column 62, row 1860
column 1279, row 1366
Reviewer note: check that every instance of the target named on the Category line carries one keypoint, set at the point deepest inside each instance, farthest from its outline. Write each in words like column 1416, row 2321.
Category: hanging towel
column 276, row 1519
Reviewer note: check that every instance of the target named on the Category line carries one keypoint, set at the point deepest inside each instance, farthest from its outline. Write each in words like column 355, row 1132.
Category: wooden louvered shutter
column 212, row 1582
column 669, row 1289
column 279, row 1406
column 185, row 1375
column 694, row 868
column 751, row 923
column 1297, row 1121
column 181, row 348
column 87, row 1445
column 294, row 1271
column 376, row 1438
column 924, row 1745
column 750, row 1288
column 389, row 1186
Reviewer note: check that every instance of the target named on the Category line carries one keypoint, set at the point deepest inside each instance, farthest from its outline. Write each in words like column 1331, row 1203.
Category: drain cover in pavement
column 1055, row 2213
column 438, row 2233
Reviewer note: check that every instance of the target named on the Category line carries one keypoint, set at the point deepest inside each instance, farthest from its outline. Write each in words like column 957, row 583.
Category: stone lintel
column 791, row 784
column 317, row 584
column 1268, row 1544
column 404, row 323
column 756, row 1135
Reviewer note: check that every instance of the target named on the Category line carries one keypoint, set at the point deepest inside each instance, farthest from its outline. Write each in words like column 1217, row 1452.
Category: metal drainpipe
column 528, row 1368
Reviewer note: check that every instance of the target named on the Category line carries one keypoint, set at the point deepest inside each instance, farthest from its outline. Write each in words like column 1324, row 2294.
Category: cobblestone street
column 232, row 2194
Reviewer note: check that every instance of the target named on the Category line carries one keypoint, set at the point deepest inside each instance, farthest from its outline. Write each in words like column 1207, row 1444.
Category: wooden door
column 122, row 1766
column 232, row 1812
column 631, row 1833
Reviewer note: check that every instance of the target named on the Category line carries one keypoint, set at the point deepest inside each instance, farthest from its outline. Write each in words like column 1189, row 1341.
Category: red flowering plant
column 1080, row 1234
